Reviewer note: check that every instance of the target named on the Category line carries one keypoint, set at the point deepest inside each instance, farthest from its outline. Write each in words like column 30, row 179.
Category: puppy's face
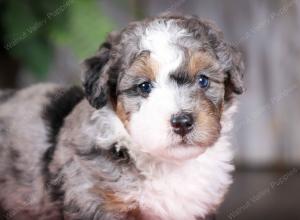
column 170, row 80
column 170, row 100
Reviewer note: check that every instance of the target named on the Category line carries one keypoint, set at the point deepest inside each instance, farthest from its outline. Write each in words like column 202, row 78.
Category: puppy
column 146, row 139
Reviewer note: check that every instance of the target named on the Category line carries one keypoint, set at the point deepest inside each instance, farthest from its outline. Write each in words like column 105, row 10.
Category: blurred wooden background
column 268, row 33
column 44, row 41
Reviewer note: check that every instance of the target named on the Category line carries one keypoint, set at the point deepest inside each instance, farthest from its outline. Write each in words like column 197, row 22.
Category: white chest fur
column 190, row 190
column 186, row 191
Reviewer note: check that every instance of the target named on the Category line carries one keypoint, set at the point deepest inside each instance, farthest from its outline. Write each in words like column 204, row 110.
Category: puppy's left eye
column 203, row 81
column 145, row 88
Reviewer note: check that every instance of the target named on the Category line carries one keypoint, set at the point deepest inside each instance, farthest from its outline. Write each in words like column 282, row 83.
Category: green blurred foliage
column 32, row 29
column 86, row 30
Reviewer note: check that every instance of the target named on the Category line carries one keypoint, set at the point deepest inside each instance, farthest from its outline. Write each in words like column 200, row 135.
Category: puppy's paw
column 120, row 154
column 124, row 142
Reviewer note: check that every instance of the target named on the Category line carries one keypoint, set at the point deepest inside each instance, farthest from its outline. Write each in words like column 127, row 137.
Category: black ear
column 95, row 76
column 236, row 72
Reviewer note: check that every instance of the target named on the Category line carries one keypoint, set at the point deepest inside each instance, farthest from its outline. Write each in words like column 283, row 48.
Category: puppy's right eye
column 203, row 81
column 145, row 88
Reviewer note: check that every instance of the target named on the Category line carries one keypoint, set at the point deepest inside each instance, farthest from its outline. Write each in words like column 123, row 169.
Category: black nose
column 182, row 123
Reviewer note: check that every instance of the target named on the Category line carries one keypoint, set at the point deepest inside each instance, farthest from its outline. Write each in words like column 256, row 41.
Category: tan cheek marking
column 199, row 61
column 145, row 66
column 208, row 121
column 124, row 117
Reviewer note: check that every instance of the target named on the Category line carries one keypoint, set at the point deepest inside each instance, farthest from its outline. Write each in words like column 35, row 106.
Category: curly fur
column 112, row 154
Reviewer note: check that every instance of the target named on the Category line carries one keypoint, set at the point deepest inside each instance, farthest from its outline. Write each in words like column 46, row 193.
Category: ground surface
column 259, row 195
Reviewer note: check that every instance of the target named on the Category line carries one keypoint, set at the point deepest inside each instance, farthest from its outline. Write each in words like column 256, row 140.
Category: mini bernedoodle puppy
column 146, row 138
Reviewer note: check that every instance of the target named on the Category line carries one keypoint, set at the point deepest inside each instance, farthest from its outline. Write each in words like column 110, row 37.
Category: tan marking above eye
column 199, row 61
column 145, row 66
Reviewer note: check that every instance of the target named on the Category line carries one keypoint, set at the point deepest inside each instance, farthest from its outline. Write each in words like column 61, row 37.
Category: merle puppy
column 146, row 139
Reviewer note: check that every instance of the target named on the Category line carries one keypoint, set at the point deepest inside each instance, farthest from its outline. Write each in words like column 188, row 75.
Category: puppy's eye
column 145, row 88
column 203, row 81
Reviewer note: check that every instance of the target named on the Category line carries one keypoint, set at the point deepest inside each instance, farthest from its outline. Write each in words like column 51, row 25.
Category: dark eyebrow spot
column 181, row 78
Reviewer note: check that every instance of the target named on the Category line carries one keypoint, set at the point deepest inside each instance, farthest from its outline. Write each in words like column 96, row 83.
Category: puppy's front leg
column 110, row 130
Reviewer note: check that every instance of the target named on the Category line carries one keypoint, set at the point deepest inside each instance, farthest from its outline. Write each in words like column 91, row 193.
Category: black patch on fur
column 6, row 95
column 118, row 155
column 95, row 84
column 181, row 78
column 61, row 103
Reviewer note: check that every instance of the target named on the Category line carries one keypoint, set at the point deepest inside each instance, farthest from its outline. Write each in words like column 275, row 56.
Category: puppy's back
column 25, row 137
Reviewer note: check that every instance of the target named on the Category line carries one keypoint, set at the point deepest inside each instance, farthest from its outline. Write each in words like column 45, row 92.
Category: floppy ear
column 236, row 72
column 230, row 58
column 99, row 74
column 95, row 76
